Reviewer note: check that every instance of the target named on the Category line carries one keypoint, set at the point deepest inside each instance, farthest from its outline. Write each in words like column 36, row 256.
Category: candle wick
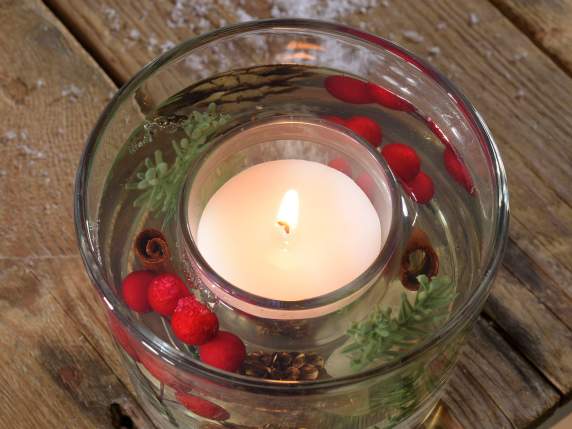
column 285, row 226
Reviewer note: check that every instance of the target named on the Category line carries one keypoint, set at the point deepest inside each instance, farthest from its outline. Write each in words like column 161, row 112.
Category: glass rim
column 463, row 315
column 349, row 289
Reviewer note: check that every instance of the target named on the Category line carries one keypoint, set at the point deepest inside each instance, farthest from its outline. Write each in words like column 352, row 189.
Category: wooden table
column 60, row 62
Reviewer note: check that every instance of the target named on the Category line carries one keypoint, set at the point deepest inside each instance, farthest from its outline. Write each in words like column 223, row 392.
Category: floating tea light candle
column 290, row 230
column 287, row 236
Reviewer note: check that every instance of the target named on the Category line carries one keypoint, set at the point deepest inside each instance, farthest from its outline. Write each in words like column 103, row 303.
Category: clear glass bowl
column 399, row 392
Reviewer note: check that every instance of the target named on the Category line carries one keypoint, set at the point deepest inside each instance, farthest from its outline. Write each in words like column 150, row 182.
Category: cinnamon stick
column 418, row 247
column 152, row 250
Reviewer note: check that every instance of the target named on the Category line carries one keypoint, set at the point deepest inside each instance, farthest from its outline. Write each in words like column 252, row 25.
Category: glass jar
column 178, row 390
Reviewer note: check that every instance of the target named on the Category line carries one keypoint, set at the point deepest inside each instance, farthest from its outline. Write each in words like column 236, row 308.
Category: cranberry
column 134, row 290
column 457, row 170
column 402, row 159
column 348, row 89
column 386, row 98
column 421, row 188
column 341, row 164
column 164, row 293
column 202, row 407
column 225, row 351
column 367, row 128
column 192, row 322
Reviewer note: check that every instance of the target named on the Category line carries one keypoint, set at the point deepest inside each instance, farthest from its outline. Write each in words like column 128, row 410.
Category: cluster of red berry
column 401, row 158
column 191, row 321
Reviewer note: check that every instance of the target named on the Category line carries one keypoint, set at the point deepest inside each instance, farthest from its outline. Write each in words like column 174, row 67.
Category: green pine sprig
column 383, row 335
column 160, row 182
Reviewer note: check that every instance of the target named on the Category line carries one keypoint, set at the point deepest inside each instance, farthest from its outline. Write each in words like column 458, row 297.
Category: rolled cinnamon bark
column 418, row 258
column 152, row 250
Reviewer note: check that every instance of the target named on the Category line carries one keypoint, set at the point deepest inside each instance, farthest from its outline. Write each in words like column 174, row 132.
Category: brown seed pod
column 418, row 258
column 309, row 372
column 256, row 370
column 283, row 360
column 315, row 359
column 298, row 360
column 288, row 366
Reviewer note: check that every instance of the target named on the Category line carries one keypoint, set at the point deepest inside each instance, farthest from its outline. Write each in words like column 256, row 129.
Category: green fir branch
column 383, row 335
column 159, row 182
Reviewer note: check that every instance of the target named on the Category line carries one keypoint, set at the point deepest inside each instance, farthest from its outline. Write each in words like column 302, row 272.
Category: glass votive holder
column 302, row 324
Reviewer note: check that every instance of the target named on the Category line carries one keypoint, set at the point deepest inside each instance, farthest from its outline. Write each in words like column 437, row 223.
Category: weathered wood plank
column 56, row 372
column 546, row 22
column 533, row 329
column 52, row 376
column 530, row 275
column 519, row 390
column 494, row 387
column 509, row 79
column 470, row 405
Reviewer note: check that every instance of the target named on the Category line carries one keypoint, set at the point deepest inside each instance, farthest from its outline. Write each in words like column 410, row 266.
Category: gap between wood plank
column 522, row 26
column 505, row 336
column 84, row 41
column 510, row 268
column 100, row 355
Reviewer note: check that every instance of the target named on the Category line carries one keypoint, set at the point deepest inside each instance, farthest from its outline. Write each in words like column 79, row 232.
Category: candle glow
column 288, row 213
column 290, row 230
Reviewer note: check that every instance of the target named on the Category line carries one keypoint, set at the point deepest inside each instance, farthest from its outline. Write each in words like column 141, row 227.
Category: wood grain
column 46, row 75
column 546, row 22
column 56, row 372
column 525, row 97
column 52, row 375
column 493, row 386
column 469, row 403
column 519, row 390
column 533, row 329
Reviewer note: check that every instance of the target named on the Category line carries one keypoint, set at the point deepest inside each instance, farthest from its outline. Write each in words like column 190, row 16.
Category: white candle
column 290, row 230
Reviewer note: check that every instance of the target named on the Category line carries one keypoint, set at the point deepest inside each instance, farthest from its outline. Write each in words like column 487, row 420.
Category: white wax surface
column 334, row 232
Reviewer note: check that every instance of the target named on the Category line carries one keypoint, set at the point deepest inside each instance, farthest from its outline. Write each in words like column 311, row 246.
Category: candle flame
column 288, row 212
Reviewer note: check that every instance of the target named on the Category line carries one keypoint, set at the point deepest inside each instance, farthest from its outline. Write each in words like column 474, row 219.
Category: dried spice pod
column 315, row 359
column 309, row 372
column 152, row 250
column 287, row 366
column 294, row 329
column 299, row 360
column 282, row 360
column 287, row 374
column 255, row 369
column 418, row 258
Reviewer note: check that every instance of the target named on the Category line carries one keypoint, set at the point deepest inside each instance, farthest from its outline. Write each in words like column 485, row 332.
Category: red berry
column 202, row 407
column 348, row 89
column 225, row 351
column 341, row 164
column 192, row 322
column 336, row 119
column 122, row 337
column 164, row 293
column 402, row 159
column 437, row 131
column 365, row 182
column 366, row 128
column 421, row 188
column 388, row 99
column 134, row 290
column 457, row 170
column 160, row 371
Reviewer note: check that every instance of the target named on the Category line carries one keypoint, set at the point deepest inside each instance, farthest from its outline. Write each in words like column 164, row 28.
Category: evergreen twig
column 160, row 182
column 383, row 335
